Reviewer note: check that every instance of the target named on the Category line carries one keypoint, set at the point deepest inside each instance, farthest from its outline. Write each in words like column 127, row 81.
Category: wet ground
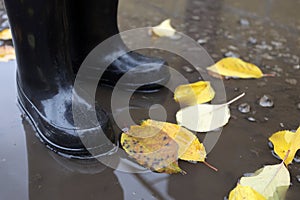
column 263, row 32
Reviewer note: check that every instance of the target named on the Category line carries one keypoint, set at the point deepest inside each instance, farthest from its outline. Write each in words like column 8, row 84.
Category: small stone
column 252, row 40
column 298, row 106
column 267, row 56
column 187, row 69
column 244, row 108
column 291, row 81
column 5, row 24
column 195, row 17
column 234, row 48
column 251, row 119
column 276, row 44
column 202, row 41
column 231, row 54
column 266, row 101
column 296, row 67
column 266, row 118
column 244, row 22
column 281, row 125
column 298, row 178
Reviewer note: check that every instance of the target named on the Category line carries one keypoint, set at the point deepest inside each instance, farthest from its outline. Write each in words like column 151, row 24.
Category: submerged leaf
column 164, row 29
column 7, row 53
column 245, row 193
column 152, row 148
column 194, row 93
column 235, row 67
column 284, row 142
column 190, row 149
column 5, row 34
column 205, row 117
column 272, row 181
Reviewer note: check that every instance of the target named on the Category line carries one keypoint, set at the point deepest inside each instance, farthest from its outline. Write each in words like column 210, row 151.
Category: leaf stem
column 210, row 166
column 235, row 99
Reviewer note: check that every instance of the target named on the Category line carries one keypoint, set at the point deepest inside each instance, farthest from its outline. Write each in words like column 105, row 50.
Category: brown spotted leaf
column 152, row 148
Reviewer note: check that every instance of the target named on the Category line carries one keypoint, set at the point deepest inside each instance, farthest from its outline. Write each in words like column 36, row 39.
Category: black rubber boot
column 93, row 21
column 45, row 77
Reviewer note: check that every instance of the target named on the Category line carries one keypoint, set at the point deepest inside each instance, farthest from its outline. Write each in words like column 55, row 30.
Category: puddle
column 34, row 171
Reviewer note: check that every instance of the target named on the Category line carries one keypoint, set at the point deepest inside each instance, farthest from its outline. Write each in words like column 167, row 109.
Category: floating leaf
column 235, row 67
column 152, row 148
column 195, row 93
column 190, row 149
column 205, row 117
column 284, row 142
column 272, row 181
column 245, row 193
column 5, row 34
column 7, row 53
column 164, row 29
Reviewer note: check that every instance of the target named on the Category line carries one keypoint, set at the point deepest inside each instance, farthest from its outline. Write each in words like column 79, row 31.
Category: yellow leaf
column 195, row 93
column 164, row 29
column 152, row 148
column 235, row 67
column 205, row 117
column 245, row 193
column 284, row 141
column 7, row 53
column 5, row 34
column 272, row 181
column 190, row 149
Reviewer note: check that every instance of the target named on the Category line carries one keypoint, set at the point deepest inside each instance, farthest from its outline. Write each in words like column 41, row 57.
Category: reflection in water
column 13, row 154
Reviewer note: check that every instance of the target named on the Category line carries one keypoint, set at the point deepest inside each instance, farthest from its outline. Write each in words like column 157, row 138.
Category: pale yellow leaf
column 245, row 193
column 272, row 181
column 190, row 148
column 284, row 142
column 164, row 29
column 194, row 93
column 5, row 34
column 235, row 67
column 205, row 117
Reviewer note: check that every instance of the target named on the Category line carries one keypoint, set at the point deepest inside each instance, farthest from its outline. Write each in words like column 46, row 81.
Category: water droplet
column 251, row 119
column 187, row 69
column 291, row 81
column 266, row 101
column 270, row 144
column 248, row 174
column 275, row 155
column 244, row 22
column 244, row 108
column 297, row 159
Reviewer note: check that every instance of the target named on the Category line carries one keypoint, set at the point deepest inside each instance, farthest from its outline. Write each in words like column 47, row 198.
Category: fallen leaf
column 164, row 29
column 152, row 148
column 194, row 93
column 235, row 67
column 272, row 181
column 286, row 141
column 5, row 34
column 7, row 53
column 205, row 117
column 245, row 193
column 190, row 148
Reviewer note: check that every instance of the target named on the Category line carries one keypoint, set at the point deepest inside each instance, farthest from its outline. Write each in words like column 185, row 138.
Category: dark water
column 28, row 169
